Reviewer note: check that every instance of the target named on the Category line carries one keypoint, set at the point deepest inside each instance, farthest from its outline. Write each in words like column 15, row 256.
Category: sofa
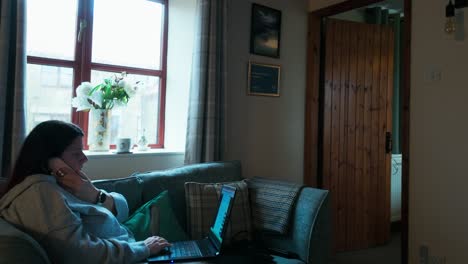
column 309, row 238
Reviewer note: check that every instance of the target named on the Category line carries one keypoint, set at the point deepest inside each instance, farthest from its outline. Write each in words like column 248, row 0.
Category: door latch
column 83, row 25
column 388, row 142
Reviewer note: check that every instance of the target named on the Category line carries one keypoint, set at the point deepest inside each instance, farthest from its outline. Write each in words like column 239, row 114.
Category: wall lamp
column 450, row 24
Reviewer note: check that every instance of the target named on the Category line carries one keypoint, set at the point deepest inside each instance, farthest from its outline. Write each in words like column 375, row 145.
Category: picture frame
column 265, row 31
column 263, row 79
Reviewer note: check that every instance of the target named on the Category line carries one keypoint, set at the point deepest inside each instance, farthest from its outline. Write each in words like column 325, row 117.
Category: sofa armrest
column 18, row 247
column 310, row 233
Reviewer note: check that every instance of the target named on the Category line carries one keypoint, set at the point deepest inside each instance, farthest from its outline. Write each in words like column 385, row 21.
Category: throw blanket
column 272, row 202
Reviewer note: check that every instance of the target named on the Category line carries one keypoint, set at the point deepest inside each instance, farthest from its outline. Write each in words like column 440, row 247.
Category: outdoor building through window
column 72, row 41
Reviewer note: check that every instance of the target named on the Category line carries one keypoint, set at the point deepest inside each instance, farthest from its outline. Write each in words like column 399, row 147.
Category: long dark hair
column 47, row 140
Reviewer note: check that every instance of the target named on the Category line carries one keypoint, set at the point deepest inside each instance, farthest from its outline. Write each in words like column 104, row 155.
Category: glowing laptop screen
column 223, row 211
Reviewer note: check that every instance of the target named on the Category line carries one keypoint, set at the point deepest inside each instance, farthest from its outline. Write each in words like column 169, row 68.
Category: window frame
column 82, row 67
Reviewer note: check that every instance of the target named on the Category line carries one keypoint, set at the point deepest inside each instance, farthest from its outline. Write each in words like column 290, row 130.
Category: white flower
column 122, row 83
column 83, row 89
column 81, row 103
column 96, row 98
column 118, row 103
column 105, row 95
column 129, row 89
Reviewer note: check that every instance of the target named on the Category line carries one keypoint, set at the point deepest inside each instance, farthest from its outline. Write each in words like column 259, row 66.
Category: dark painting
column 265, row 31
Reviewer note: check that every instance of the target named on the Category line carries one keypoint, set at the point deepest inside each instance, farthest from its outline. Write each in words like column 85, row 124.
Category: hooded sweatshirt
column 69, row 229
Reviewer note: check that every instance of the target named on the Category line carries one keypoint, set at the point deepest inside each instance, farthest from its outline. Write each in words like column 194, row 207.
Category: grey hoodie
column 71, row 230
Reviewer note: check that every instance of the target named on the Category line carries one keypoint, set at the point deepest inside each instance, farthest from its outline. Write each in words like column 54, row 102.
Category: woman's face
column 73, row 155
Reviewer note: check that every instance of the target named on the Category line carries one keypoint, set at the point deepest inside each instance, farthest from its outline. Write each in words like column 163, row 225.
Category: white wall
column 113, row 166
column 438, row 161
column 267, row 133
column 180, row 43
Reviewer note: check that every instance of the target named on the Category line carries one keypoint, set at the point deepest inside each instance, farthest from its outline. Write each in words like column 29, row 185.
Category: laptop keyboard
column 205, row 247
column 185, row 248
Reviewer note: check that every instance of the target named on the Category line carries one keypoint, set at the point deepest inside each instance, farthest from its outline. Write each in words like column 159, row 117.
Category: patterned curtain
column 206, row 117
column 12, row 80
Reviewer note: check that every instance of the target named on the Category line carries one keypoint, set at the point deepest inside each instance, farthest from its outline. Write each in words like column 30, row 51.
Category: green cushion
column 156, row 218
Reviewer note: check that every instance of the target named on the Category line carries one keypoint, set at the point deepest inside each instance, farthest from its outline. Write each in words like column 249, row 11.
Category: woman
column 51, row 199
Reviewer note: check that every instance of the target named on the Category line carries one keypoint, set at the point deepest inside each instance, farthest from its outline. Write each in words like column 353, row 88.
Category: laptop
column 208, row 247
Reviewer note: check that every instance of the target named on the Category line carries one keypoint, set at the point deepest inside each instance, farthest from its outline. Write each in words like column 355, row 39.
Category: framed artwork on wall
column 263, row 79
column 265, row 31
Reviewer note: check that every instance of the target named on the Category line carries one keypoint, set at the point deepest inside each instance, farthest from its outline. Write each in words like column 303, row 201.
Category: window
column 89, row 40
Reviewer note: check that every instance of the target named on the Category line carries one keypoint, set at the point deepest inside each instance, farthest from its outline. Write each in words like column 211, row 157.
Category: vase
column 142, row 142
column 99, row 130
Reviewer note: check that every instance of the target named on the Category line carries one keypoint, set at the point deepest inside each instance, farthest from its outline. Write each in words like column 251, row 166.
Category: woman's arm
column 83, row 247
column 79, row 184
column 117, row 204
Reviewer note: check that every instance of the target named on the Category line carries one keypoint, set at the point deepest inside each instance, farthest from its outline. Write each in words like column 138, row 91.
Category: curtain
column 377, row 15
column 12, row 80
column 205, row 138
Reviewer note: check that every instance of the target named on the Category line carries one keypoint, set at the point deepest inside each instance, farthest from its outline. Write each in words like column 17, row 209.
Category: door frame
column 313, row 97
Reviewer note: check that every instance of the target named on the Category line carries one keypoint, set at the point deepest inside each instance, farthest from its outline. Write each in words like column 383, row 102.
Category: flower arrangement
column 114, row 91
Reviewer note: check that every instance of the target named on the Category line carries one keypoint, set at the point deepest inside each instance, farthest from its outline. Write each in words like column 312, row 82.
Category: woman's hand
column 77, row 183
column 156, row 244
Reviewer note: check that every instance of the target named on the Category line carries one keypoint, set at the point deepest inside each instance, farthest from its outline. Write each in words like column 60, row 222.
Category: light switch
column 436, row 75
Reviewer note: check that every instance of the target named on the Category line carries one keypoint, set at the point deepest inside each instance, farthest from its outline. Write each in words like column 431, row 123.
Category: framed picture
column 265, row 31
column 263, row 79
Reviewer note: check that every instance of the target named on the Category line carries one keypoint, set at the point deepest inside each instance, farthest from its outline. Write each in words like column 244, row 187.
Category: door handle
column 83, row 25
column 388, row 142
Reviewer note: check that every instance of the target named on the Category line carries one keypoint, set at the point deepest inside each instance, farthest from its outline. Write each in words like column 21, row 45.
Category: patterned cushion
column 202, row 204
column 272, row 202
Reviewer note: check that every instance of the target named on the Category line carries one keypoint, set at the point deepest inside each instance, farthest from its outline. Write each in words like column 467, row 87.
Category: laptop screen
column 222, row 217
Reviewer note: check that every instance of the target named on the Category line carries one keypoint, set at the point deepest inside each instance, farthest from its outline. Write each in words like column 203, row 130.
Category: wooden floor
column 388, row 254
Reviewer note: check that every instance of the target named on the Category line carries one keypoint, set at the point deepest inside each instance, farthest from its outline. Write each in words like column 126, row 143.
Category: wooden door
column 357, row 115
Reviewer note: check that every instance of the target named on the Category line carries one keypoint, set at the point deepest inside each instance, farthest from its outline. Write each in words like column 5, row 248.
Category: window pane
column 127, row 32
column 51, row 33
column 47, row 95
column 140, row 114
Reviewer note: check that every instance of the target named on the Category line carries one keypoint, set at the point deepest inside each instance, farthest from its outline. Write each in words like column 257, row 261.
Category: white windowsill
column 135, row 153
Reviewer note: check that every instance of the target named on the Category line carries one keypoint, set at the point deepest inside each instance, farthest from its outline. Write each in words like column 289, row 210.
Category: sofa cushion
column 156, row 218
column 272, row 203
column 130, row 188
column 202, row 203
column 155, row 182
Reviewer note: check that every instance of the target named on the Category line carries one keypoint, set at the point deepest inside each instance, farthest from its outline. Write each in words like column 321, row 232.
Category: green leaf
column 97, row 87
column 108, row 91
